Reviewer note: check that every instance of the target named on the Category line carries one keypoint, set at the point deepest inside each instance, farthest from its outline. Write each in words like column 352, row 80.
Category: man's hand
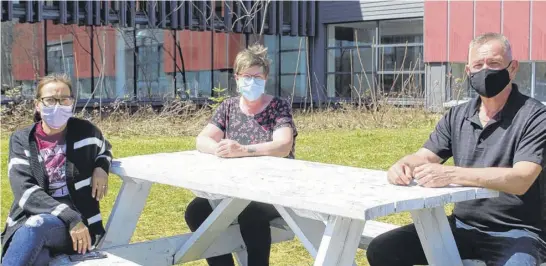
column 81, row 240
column 433, row 175
column 228, row 148
column 400, row 174
column 100, row 184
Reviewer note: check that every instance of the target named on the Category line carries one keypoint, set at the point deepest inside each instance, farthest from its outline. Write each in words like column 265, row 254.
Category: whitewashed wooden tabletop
column 325, row 188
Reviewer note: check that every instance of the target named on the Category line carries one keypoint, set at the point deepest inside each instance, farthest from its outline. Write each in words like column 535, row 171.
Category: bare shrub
column 185, row 118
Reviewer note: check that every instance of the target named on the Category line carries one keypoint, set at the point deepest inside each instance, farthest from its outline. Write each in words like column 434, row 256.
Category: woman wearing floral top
column 253, row 124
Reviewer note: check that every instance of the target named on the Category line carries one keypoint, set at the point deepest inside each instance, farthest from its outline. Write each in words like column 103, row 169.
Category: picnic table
column 328, row 207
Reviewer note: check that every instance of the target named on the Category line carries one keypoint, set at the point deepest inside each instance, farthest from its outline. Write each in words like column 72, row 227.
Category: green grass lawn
column 164, row 212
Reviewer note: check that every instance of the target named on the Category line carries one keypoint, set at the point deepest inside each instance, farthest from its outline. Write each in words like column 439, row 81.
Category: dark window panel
column 540, row 81
column 401, row 58
column 293, row 86
column 291, row 63
column 523, row 78
column 402, row 84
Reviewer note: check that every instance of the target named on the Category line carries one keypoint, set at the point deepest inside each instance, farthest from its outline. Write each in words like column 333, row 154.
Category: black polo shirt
column 517, row 133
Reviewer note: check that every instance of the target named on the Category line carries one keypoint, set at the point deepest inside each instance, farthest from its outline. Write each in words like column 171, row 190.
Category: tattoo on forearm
column 251, row 150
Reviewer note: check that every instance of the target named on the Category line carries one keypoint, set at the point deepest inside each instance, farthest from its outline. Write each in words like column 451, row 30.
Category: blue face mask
column 251, row 88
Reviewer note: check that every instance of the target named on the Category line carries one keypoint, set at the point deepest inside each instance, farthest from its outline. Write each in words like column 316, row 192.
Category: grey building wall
column 348, row 11
column 330, row 12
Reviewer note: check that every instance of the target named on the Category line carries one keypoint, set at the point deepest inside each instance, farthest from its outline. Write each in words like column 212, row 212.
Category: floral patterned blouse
column 253, row 129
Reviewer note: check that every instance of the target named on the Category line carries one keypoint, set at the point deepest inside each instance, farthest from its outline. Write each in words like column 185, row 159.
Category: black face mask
column 488, row 82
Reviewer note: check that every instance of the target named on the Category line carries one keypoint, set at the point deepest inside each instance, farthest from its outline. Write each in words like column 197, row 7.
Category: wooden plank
column 436, row 237
column 220, row 219
column 309, row 231
column 126, row 212
column 339, row 242
column 110, row 260
column 160, row 252
column 209, row 196
column 240, row 255
column 298, row 185
column 311, row 214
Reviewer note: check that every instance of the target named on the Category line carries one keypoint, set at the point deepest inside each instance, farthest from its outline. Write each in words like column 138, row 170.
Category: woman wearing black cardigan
column 58, row 172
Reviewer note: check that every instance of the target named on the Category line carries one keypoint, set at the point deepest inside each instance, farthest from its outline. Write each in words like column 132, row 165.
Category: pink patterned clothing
column 254, row 129
column 53, row 154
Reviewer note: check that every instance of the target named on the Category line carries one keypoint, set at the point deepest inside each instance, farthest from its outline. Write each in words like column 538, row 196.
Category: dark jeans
column 254, row 226
column 32, row 243
column 402, row 247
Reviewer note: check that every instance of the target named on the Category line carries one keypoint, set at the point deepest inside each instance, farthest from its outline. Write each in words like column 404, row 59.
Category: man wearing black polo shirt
column 497, row 141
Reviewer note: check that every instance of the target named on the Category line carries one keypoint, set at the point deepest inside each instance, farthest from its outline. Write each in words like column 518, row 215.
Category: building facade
column 449, row 27
column 408, row 51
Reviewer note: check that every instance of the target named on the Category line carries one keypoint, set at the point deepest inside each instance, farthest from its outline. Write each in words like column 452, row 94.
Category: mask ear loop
column 506, row 68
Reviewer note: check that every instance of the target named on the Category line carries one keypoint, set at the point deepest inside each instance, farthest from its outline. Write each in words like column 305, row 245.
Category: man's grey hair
column 489, row 36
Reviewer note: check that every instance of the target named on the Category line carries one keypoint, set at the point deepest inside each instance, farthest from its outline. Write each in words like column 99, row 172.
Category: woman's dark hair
column 55, row 77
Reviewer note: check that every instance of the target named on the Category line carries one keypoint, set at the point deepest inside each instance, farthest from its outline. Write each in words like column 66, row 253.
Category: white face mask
column 56, row 116
column 251, row 88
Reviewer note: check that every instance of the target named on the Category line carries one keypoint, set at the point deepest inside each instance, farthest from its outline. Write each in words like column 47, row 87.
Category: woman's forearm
column 206, row 144
column 271, row 148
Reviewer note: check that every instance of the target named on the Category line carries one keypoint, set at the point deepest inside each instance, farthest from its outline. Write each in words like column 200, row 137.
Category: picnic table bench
column 328, row 207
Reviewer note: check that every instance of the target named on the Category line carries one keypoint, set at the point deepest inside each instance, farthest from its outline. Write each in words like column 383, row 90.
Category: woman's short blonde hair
column 254, row 55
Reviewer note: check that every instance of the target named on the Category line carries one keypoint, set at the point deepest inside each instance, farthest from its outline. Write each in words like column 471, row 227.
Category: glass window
column 540, row 81
column 351, row 34
column 458, row 83
column 283, row 51
column 221, row 78
column 401, row 31
column 353, row 50
column 292, row 43
column 292, row 63
column 352, row 60
column 152, row 81
column 104, row 75
column 401, row 84
column 60, row 59
column 351, row 85
column 343, row 84
column 67, row 42
column 362, row 83
column 401, row 58
column 293, row 60
column 293, row 86
column 198, row 83
column 523, row 78
column 272, row 44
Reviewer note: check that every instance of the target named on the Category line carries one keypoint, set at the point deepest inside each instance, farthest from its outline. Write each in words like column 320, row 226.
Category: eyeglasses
column 51, row 101
column 257, row 76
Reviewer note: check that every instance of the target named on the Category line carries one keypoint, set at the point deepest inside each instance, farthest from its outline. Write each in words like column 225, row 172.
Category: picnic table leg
column 240, row 256
column 308, row 231
column 126, row 212
column 436, row 237
column 340, row 241
column 218, row 221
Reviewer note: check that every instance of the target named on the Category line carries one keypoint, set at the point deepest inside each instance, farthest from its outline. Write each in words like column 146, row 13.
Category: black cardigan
column 86, row 149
